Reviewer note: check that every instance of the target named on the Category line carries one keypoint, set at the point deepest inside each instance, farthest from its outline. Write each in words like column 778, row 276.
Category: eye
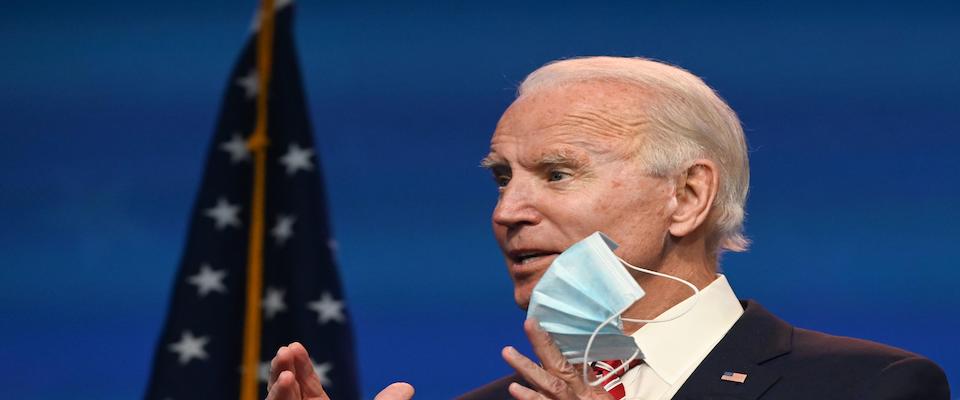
column 555, row 176
column 501, row 180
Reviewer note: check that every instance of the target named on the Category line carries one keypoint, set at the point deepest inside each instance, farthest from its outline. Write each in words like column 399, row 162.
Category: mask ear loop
column 626, row 364
column 586, row 352
column 696, row 294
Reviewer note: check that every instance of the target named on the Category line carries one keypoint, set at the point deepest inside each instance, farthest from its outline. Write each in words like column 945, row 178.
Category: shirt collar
column 670, row 348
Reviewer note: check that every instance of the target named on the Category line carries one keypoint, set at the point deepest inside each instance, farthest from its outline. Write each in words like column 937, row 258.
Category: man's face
column 563, row 160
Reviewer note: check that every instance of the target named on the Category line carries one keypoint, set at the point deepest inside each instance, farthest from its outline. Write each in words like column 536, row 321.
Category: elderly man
column 649, row 155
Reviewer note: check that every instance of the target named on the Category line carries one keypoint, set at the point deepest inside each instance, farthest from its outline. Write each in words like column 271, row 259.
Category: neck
column 696, row 267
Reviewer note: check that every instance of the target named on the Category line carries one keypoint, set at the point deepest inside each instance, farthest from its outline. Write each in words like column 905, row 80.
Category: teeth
column 525, row 258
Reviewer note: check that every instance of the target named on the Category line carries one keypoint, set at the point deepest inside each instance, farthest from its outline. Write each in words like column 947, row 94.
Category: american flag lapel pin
column 733, row 377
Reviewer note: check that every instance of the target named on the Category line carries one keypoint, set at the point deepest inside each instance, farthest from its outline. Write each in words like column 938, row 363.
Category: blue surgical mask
column 585, row 287
column 581, row 297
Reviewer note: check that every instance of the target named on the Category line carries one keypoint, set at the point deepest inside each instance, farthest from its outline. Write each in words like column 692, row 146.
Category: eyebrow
column 559, row 157
column 551, row 158
column 492, row 161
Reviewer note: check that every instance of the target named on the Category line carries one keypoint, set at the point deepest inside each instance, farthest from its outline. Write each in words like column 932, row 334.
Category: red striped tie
column 612, row 383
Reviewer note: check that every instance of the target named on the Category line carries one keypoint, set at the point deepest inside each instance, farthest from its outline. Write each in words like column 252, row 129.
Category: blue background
column 107, row 109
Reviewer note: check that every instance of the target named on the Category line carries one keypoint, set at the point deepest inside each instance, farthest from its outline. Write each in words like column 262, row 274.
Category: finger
column 310, row 383
column 396, row 391
column 521, row 392
column 552, row 360
column 283, row 361
column 542, row 380
column 284, row 388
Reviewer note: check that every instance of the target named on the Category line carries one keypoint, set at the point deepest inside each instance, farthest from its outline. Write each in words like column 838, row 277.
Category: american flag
column 199, row 353
column 730, row 376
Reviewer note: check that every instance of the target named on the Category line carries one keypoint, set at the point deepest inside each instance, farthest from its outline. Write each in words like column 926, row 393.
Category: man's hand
column 556, row 379
column 292, row 378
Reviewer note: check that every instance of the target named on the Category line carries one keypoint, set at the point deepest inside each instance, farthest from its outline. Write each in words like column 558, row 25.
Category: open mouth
column 529, row 257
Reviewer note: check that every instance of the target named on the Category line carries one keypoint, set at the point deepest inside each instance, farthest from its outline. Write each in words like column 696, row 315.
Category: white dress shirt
column 673, row 349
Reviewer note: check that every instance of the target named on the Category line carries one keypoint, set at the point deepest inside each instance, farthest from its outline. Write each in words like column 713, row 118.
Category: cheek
column 601, row 207
column 641, row 218
column 605, row 202
column 609, row 200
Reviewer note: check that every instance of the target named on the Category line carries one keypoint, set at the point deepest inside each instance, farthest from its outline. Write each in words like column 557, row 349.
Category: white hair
column 688, row 119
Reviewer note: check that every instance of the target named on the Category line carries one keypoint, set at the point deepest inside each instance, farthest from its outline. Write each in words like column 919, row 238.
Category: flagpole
column 258, row 146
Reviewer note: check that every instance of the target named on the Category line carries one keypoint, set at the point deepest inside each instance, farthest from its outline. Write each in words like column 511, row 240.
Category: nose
column 516, row 206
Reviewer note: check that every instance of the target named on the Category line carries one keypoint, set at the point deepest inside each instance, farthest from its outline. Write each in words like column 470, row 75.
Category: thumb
column 396, row 391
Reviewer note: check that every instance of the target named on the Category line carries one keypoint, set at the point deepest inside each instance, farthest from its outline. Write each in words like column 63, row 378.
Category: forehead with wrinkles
column 594, row 115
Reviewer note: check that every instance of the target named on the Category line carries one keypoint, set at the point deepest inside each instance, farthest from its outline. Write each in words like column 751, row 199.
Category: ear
column 695, row 192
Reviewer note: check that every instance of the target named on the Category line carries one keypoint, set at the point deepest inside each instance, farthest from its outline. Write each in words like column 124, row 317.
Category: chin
column 523, row 285
column 522, row 297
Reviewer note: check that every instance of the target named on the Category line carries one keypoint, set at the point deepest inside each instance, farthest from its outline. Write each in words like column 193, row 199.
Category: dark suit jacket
column 783, row 362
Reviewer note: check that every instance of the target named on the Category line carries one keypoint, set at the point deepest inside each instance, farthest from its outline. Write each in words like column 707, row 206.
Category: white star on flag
column 190, row 347
column 237, row 147
column 208, row 280
column 263, row 371
column 327, row 309
column 250, row 84
column 296, row 159
column 273, row 302
column 322, row 370
column 224, row 214
column 283, row 229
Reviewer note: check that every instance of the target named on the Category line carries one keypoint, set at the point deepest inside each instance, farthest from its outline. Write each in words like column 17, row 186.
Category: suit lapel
column 755, row 338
